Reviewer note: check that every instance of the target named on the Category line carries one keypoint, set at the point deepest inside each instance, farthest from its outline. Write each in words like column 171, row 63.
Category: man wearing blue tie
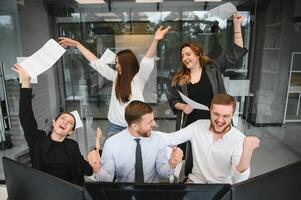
column 137, row 154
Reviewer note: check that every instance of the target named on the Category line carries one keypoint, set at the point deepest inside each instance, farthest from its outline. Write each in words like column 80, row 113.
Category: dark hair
column 183, row 76
column 68, row 113
column 129, row 68
column 135, row 110
column 224, row 99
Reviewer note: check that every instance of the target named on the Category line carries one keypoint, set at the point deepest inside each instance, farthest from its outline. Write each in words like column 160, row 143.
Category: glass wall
column 132, row 28
column 264, row 83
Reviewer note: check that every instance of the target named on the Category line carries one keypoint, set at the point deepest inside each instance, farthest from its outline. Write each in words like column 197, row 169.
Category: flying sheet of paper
column 108, row 57
column 193, row 104
column 43, row 59
column 224, row 11
column 33, row 79
column 78, row 120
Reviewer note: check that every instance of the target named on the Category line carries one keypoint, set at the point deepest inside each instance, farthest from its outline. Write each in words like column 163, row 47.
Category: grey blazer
column 215, row 71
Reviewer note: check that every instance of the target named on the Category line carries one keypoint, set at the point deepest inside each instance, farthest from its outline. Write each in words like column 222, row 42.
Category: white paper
column 43, row 59
column 224, row 11
column 33, row 79
column 108, row 57
column 78, row 120
column 193, row 104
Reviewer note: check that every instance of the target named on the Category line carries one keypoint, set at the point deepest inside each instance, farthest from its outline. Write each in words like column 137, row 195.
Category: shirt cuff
column 26, row 91
column 239, row 176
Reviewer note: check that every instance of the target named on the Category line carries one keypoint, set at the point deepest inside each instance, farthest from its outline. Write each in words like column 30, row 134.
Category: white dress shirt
column 213, row 161
column 118, row 158
column 116, row 108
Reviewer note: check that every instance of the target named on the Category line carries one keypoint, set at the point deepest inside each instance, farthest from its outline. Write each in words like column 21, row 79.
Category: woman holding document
column 128, row 79
column 54, row 153
column 200, row 79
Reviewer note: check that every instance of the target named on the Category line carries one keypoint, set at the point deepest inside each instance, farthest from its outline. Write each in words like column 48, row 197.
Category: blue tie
column 139, row 177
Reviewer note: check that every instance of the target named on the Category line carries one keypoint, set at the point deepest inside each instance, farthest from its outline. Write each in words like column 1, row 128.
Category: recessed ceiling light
column 90, row 1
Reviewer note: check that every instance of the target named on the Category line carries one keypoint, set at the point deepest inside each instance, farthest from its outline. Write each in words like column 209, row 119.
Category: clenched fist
column 176, row 157
column 251, row 143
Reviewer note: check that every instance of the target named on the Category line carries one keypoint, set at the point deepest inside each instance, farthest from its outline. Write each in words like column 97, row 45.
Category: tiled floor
column 280, row 146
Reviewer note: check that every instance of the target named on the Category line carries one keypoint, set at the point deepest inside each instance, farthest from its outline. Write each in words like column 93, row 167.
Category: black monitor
column 26, row 183
column 128, row 191
column 282, row 183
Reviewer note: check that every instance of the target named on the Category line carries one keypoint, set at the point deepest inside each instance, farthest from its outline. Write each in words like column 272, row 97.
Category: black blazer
column 39, row 143
column 215, row 71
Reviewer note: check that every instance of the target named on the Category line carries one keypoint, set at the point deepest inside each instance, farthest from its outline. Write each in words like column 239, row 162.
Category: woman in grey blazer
column 200, row 79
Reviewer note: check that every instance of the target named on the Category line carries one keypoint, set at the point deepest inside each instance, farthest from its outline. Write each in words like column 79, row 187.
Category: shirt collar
column 227, row 134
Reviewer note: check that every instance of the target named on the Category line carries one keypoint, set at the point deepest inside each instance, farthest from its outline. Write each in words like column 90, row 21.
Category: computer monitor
column 26, row 183
column 128, row 191
column 279, row 184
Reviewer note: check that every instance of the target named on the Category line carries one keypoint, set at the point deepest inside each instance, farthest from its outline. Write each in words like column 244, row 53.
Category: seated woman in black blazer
column 54, row 153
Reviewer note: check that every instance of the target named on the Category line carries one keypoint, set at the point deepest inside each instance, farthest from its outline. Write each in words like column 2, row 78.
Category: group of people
column 220, row 153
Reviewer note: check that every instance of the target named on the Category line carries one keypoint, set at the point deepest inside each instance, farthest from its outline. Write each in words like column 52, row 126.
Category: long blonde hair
column 183, row 77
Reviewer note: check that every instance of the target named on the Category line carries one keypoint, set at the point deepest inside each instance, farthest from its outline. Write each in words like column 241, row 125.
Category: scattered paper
column 108, row 57
column 224, row 11
column 33, row 79
column 78, row 120
column 43, row 59
column 193, row 104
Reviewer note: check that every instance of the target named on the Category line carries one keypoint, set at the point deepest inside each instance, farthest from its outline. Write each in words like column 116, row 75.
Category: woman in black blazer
column 54, row 153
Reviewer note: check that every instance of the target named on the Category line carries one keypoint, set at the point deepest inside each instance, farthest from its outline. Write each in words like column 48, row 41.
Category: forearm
column 238, row 35
column 26, row 115
column 152, row 49
column 245, row 161
column 86, row 53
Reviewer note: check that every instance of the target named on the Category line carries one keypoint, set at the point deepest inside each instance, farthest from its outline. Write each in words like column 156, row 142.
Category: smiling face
column 221, row 116
column 63, row 125
column 189, row 58
column 145, row 125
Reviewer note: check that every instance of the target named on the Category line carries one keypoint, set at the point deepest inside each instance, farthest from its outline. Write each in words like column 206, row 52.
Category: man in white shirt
column 221, row 153
column 119, row 155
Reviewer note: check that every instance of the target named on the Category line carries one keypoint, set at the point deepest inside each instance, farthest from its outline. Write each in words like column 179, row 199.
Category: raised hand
column 23, row 75
column 176, row 157
column 251, row 143
column 160, row 33
column 98, row 139
column 65, row 42
column 237, row 19
column 93, row 156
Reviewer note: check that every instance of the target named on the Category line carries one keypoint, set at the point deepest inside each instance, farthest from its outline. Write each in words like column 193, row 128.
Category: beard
column 144, row 133
column 224, row 130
